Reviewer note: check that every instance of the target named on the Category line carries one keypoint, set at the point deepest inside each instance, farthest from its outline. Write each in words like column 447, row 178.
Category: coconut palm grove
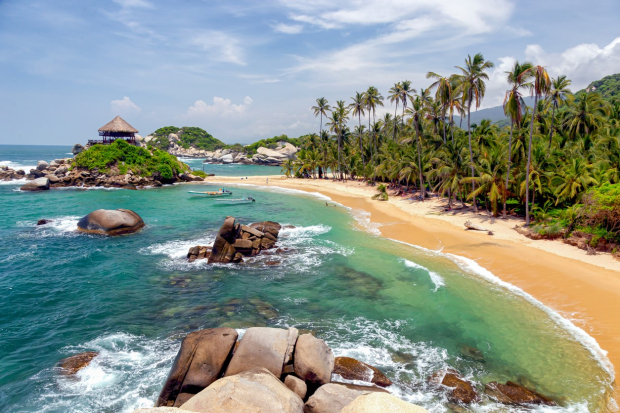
column 556, row 162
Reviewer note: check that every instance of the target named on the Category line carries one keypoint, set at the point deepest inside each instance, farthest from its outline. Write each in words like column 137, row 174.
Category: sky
column 247, row 70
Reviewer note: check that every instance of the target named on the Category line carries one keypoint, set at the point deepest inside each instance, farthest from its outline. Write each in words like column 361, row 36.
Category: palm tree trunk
column 395, row 109
column 359, row 117
column 512, row 124
column 471, row 153
column 527, row 169
column 422, row 192
column 551, row 131
column 444, row 125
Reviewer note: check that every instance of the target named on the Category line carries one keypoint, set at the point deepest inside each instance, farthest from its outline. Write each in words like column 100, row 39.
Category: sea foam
column 437, row 279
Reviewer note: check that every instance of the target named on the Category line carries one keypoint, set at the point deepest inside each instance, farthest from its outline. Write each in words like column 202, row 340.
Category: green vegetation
column 189, row 136
column 125, row 157
column 199, row 173
column 608, row 87
column 271, row 143
column 557, row 162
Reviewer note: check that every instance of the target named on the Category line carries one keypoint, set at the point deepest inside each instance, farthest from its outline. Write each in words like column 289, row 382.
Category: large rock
column 513, row 393
column 199, row 362
column 296, row 385
column 39, row 184
column 75, row 363
column 381, row 402
column 161, row 410
column 270, row 153
column 314, row 360
column 266, row 347
column 352, row 369
column 287, row 150
column 42, row 165
column 77, row 148
column 459, row 389
column 333, row 397
column 228, row 158
column 255, row 391
column 111, row 222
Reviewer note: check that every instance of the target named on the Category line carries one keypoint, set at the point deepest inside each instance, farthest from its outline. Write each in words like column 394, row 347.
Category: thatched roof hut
column 115, row 129
column 118, row 125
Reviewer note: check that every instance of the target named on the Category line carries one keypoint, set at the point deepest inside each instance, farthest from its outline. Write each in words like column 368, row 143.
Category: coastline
column 584, row 289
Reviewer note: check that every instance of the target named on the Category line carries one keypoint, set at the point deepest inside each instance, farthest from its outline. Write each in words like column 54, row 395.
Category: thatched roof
column 118, row 124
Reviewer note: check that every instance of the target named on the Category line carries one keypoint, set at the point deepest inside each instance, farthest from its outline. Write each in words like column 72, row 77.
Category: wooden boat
column 211, row 194
column 228, row 201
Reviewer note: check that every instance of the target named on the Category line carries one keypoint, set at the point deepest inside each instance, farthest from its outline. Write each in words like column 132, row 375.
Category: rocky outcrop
column 263, row 156
column 351, row 369
column 458, row 389
column 513, row 393
column 111, row 222
column 381, row 402
column 235, row 241
column 314, row 360
column 333, row 397
column 38, row 184
column 256, row 390
column 77, row 148
column 199, row 362
column 75, row 363
column 261, row 375
column 271, row 348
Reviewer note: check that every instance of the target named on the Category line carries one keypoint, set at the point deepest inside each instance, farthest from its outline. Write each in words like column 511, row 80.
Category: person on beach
column 267, row 181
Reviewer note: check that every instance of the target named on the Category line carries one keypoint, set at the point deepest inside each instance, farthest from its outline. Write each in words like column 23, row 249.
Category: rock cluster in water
column 268, row 370
column 235, row 241
column 59, row 173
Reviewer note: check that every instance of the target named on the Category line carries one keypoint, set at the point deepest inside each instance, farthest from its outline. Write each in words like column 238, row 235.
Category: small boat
column 229, row 201
column 212, row 194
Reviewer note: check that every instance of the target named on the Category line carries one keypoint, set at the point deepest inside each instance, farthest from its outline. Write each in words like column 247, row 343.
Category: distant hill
column 494, row 114
column 608, row 87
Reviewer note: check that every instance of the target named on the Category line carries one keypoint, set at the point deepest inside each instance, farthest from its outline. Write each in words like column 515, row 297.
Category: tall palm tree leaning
column 394, row 96
column 406, row 91
column 541, row 87
column 514, row 107
column 416, row 109
column 472, row 88
column 321, row 108
column 357, row 109
column 372, row 98
column 558, row 95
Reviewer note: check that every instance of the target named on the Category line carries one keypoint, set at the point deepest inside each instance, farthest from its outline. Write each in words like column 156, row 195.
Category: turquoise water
column 406, row 310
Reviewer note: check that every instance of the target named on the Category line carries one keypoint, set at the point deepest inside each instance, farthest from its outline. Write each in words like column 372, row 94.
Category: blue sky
column 245, row 70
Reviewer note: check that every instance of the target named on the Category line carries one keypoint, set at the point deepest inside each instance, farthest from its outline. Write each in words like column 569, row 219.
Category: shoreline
column 584, row 289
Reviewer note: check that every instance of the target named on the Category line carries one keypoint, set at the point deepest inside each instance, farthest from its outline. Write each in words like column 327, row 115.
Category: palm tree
column 287, row 167
column 472, row 88
column 381, row 194
column 514, row 107
column 357, row 108
column 394, row 96
column 321, row 108
column 415, row 111
column 586, row 114
column 406, row 91
column 372, row 99
column 442, row 95
column 541, row 87
column 557, row 97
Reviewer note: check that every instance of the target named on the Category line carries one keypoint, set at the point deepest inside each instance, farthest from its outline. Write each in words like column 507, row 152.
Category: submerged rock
column 256, row 390
column 75, row 363
column 43, row 221
column 460, row 390
column 111, row 222
column 513, row 393
column 352, row 369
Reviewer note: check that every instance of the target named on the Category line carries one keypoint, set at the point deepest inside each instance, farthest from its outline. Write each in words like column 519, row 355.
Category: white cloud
column 581, row 64
column 287, row 28
column 220, row 108
column 221, row 46
column 124, row 106
column 134, row 3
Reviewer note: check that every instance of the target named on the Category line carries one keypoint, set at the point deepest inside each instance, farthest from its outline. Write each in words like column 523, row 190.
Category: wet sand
column 582, row 288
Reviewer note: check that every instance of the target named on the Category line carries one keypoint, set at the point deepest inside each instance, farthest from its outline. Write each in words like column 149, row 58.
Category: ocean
column 403, row 309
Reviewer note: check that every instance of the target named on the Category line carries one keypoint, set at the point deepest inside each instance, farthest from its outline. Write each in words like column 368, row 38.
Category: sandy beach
column 583, row 288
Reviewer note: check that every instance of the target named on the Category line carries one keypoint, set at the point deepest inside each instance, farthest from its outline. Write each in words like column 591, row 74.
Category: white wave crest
column 472, row 267
column 17, row 166
column 362, row 218
column 57, row 227
column 437, row 279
